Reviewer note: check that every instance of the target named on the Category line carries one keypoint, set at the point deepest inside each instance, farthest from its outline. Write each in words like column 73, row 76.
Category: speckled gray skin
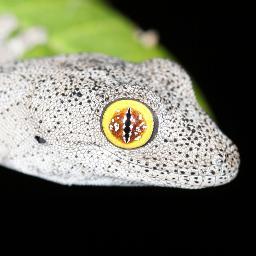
column 50, row 116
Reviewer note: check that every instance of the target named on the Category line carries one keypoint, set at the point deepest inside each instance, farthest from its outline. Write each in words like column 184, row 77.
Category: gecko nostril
column 40, row 140
column 233, row 158
column 218, row 160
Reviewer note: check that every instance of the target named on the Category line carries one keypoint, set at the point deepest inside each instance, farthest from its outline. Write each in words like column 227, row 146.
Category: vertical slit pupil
column 127, row 125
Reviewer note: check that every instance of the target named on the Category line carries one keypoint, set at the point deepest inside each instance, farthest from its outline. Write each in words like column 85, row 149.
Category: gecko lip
column 225, row 171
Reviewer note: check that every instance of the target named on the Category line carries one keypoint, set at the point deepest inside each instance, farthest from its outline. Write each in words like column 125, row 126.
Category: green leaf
column 85, row 26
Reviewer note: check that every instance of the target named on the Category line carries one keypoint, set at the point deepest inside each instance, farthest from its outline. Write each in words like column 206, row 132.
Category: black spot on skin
column 40, row 140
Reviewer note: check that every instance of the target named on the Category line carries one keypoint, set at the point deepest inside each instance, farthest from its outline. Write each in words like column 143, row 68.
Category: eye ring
column 128, row 123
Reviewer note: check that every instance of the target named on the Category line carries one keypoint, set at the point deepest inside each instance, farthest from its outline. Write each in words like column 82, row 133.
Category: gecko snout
column 226, row 162
column 232, row 159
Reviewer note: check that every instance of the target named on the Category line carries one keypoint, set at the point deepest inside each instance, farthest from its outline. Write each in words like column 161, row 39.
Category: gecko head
column 177, row 144
column 121, row 123
column 186, row 149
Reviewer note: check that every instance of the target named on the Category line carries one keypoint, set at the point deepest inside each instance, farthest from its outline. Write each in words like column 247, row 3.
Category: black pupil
column 127, row 125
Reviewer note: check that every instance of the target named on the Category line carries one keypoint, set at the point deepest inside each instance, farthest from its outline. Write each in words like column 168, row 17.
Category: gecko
column 93, row 119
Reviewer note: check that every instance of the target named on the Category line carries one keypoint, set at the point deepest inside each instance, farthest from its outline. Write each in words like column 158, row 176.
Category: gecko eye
column 128, row 124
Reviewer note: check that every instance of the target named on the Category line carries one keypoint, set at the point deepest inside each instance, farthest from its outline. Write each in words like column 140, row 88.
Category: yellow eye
column 128, row 123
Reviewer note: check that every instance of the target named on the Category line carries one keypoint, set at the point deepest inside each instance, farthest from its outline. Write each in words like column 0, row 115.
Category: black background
column 214, row 44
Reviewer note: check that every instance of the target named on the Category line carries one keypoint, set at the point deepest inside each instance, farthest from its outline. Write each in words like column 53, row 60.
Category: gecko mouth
column 226, row 167
column 204, row 171
column 224, row 170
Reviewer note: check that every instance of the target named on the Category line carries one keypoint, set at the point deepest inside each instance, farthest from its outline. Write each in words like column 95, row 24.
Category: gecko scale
column 92, row 119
